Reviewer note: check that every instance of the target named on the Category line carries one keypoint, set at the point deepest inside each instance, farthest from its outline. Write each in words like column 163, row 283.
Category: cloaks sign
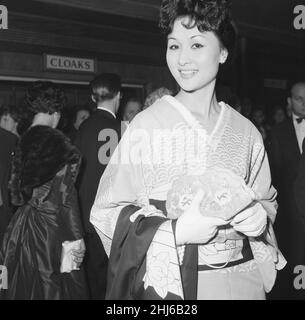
column 3, row 17
column 61, row 63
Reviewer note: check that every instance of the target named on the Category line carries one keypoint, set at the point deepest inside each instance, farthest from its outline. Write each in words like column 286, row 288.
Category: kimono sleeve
column 260, row 178
column 122, row 184
column 260, row 182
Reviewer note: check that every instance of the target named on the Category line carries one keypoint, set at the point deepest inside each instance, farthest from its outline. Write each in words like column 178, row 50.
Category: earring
column 223, row 57
column 223, row 60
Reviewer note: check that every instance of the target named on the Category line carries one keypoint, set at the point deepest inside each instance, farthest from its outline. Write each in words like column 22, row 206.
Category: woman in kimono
column 43, row 246
column 186, row 206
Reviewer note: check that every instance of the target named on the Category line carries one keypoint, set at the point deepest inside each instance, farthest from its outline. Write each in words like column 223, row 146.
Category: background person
column 8, row 142
column 78, row 115
column 131, row 109
column 45, row 167
column 96, row 139
column 284, row 150
column 10, row 118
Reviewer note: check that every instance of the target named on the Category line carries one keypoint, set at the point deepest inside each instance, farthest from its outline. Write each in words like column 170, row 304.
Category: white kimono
column 163, row 143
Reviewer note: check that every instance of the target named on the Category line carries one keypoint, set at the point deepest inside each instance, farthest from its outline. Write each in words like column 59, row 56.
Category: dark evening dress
column 45, row 167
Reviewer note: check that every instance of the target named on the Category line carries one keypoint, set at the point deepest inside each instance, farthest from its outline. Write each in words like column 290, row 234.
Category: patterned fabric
column 242, row 282
column 166, row 142
column 163, row 269
column 138, row 268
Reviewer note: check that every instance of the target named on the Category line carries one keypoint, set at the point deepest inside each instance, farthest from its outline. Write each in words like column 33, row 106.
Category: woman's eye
column 197, row 46
column 173, row 47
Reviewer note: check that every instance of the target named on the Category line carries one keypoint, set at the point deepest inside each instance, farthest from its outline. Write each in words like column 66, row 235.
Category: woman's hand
column 252, row 221
column 78, row 255
column 193, row 227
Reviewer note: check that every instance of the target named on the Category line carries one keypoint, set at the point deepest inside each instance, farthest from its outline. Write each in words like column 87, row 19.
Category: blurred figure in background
column 79, row 115
column 259, row 120
column 156, row 95
column 246, row 107
column 279, row 115
column 288, row 110
column 96, row 139
column 299, row 193
column 284, row 151
column 9, row 119
column 7, row 145
column 45, row 166
column 132, row 107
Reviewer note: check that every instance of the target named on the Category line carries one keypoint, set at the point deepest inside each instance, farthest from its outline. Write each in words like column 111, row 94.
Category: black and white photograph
column 152, row 150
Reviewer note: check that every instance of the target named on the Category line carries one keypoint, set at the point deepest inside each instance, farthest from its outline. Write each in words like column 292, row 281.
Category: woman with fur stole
column 47, row 222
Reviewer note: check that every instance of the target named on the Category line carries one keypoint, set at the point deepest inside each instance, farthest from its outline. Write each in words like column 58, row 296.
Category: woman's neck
column 202, row 101
column 42, row 119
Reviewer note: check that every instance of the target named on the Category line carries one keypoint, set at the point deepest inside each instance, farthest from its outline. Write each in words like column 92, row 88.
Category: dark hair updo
column 45, row 97
column 207, row 15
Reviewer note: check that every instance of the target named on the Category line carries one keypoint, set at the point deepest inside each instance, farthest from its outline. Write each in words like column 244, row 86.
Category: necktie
column 299, row 120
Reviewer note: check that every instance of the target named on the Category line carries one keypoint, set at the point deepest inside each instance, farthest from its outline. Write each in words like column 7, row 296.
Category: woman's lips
column 187, row 74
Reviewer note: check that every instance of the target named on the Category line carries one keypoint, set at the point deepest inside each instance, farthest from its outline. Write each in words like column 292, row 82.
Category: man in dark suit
column 97, row 138
column 284, row 151
column 7, row 145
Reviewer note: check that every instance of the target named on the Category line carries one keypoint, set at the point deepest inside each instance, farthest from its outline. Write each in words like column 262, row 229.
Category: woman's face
column 8, row 123
column 279, row 116
column 193, row 57
column 132, row 108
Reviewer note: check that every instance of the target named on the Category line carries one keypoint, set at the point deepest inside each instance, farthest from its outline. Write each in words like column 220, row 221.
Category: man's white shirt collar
column 101, row 108
column 295, row 117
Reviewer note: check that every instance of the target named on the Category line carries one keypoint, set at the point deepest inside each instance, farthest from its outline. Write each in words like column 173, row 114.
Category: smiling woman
column 220, row 245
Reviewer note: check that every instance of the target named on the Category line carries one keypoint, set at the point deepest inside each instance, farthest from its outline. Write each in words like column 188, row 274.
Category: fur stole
column 40, row 154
